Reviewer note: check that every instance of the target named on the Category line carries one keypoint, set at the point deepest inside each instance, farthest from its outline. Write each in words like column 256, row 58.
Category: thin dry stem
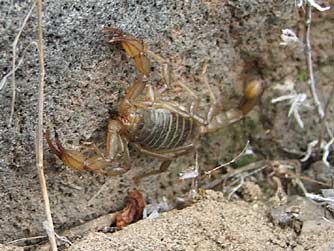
column 27, row 239
column 206, row 82
column 311, row 82
column 4, row 79
column 102, row 189
column 39, row 136
column 324, row 123
column 95, row 225
column 14, row 62
column 328, row 104
column 235, row 189
column 230, row 162
column 259, row 165
column 308, row 52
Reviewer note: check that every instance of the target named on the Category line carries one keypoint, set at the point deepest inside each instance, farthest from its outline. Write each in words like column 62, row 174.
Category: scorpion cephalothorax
column 164, row 130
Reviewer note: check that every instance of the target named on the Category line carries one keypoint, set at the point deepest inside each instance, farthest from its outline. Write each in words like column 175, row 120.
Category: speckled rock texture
column 86, row 77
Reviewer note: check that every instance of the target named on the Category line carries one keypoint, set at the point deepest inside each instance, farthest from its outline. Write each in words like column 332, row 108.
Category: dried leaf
column 133, row 211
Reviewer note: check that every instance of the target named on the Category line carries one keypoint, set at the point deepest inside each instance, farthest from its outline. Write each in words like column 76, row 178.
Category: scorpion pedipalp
column 134, row 48
column 78, row 161
column 71, row 158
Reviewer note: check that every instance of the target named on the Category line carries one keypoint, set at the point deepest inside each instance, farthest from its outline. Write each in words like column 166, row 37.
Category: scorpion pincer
column 164, row 130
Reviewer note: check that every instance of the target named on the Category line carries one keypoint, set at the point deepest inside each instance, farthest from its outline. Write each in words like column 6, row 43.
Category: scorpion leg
column 136, row 89
column 183, row 112
column 191, row 112
column 195, row 102
column 167, row 156
column 216, row 104
column 116, row 145
column 163, row 168
column 165, row 67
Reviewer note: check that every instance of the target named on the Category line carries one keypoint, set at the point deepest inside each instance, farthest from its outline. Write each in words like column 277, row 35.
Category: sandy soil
column 213, row 223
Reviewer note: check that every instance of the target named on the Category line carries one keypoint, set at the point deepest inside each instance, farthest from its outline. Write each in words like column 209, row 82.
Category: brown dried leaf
column 133, row 211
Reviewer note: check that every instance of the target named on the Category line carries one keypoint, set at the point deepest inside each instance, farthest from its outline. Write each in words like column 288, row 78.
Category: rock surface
column 86, row 77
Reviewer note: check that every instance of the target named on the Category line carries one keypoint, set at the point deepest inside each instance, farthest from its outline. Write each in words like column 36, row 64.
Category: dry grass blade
column 40, row 237
column 14, row 62
column 3, row 81
column 254, row 167
column 230, row 162
column 324, row 122
column 95, row 225
column 39, row 137
column 308, row 51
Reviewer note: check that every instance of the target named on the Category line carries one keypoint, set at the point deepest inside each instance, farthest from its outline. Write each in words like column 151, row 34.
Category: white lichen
column 289, row 37
column 312, row 3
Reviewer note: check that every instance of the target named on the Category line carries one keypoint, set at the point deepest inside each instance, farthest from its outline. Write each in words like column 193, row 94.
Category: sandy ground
column 213, row 223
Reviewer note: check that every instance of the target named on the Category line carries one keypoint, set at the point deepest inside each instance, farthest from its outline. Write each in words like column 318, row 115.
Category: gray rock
column 86, row 77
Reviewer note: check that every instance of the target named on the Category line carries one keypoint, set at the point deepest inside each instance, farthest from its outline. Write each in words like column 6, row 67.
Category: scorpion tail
column 252, row 93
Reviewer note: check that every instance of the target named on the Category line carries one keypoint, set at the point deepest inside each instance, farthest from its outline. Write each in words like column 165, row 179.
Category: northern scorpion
column 164, row 130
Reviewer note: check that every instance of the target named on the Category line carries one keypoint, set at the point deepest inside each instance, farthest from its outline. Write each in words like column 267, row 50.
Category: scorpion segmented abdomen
column 162, row 129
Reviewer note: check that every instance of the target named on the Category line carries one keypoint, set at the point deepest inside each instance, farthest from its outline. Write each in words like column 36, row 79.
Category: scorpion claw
column 134, row 48
column 52, row 147
column 70, row 158
column 77, row 160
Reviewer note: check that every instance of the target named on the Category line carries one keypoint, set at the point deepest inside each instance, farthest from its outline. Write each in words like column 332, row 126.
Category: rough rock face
column 86, row 77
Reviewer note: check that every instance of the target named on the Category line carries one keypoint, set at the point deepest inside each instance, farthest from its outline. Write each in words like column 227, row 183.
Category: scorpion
column 164, row 130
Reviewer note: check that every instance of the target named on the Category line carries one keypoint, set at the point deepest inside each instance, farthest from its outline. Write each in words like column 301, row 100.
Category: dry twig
column 254, row 167
column 39, row 136
column 40, row 237
column 3, row 81
column 14, row 61
column 321, row 111
column 95, row 225
column 230, row 162
column 308, row 52
column 324, row 123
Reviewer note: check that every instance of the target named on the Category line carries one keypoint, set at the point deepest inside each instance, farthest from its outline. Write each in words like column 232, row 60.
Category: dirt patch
column 212, row 224
column 10, row 248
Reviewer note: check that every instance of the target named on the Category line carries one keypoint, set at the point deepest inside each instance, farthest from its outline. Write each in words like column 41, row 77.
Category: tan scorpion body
column 164, row 130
